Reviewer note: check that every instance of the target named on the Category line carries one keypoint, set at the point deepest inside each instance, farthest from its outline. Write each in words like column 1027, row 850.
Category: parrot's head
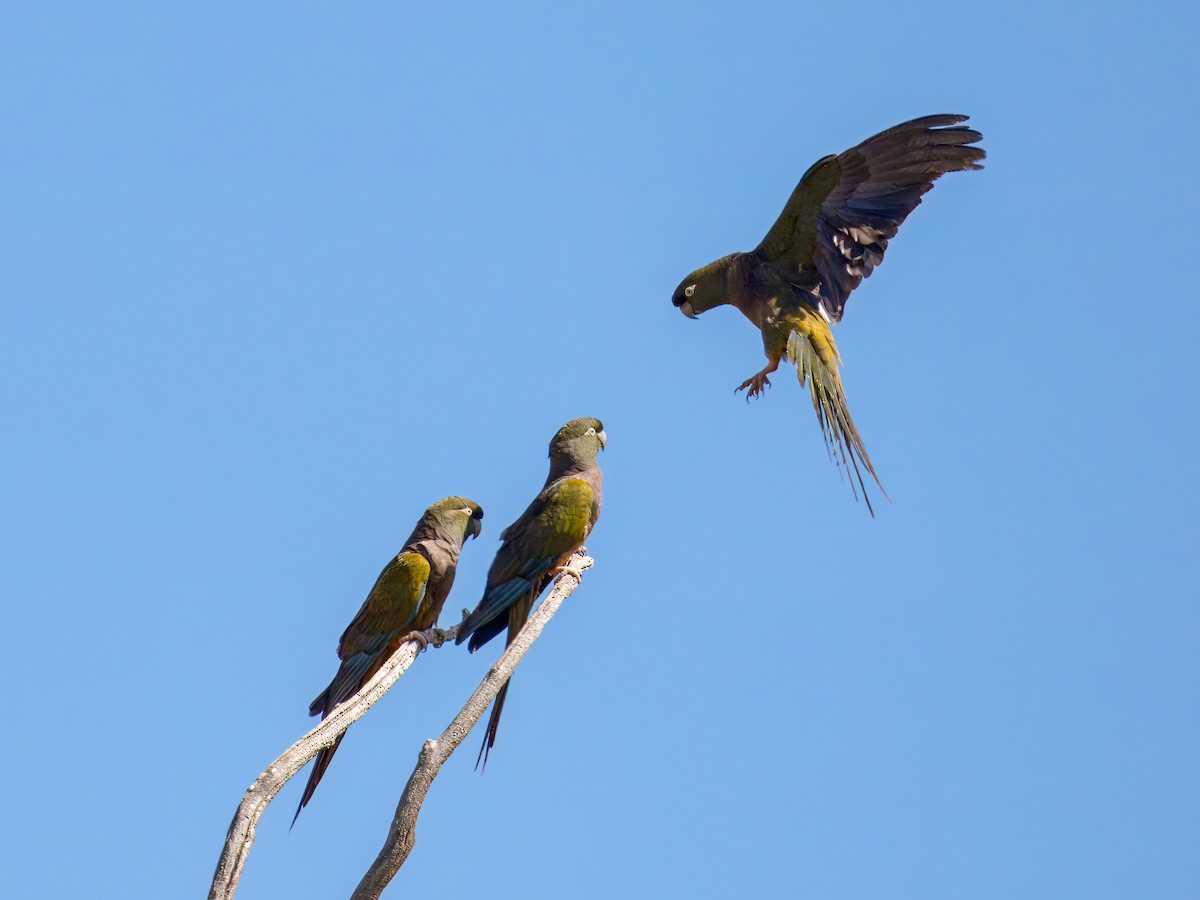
column 703, row 289
column 578, row 441
column 453, row 518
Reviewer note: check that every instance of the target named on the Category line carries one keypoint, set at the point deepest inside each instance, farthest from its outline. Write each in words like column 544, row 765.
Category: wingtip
column 946, row 118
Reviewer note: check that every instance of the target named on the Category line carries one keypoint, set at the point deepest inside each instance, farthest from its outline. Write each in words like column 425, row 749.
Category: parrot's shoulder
column 413, row 563
column 571, row 491
column 403, row 579
column 566, row 498
column 439, row 556
column 570, row 508
column 391, row 604
column 574, row 484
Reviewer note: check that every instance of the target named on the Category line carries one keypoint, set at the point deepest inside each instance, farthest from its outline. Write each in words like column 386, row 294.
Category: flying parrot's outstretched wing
column 546, row 534
column 377, row 629
column 836, row 225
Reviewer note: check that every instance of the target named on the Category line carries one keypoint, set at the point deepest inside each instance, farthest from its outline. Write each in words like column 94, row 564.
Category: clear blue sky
column 276, row 276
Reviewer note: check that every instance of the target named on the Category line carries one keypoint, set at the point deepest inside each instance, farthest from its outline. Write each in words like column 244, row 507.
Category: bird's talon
column 755, row 386
column 568, row 570
column 436, row 636
column 420, row 638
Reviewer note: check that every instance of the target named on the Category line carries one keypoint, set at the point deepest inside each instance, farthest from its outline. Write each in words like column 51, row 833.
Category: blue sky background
column 276, row 277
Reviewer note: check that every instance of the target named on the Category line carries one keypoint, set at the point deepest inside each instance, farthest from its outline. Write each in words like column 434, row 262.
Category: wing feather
column 837, row 223
column 554, row 525
column 391, row 605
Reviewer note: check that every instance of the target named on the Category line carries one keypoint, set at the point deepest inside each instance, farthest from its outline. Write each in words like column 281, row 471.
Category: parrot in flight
column 830, row 236
column 407, row 597
column 537, row 544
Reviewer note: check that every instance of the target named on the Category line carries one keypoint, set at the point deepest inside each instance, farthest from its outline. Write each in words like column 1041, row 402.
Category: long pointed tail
column 518, row 615
column 829, row 402
column 489, row 736
column 320, row 764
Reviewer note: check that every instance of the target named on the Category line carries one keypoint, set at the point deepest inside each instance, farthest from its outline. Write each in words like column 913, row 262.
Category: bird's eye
column 590, row 431
column 689, row 290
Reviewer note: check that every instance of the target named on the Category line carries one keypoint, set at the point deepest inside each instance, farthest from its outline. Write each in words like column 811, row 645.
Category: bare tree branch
column 254, row 803
column 240, row 837
column 402, row 834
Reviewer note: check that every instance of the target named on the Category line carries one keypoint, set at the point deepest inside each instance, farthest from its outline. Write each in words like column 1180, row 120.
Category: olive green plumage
column 542, row 539
column 832, row 233
column 408, row 596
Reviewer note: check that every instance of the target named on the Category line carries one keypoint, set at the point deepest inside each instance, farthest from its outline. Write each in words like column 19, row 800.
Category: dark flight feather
column 846, row 208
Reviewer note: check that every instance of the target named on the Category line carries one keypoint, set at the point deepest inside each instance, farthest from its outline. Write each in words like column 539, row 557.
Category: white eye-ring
column 689, row 290
column 591, row 431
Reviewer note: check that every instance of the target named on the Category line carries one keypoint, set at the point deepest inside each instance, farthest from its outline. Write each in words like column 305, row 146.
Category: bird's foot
column 755, row 385
column 420, row 638
column 568, row 570
column 436, row 636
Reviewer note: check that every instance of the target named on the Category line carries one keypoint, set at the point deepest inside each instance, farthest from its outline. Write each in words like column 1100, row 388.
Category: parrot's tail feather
column 489, row 737
column 320, row 764
column 518, row 615
column 484, row 633
column 488, row 619
column 842, row 440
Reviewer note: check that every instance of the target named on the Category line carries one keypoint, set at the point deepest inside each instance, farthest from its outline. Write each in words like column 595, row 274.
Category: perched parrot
column 407, row 597
column 553, row 527
column 831, row 235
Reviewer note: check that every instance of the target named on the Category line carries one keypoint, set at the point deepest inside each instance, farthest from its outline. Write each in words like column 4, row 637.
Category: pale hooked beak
column 686, row 308
column 603, row 438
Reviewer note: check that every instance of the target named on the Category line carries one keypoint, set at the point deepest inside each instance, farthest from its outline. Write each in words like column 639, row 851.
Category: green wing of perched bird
column 832, row 233
column 407, row 596
column 541, row 540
